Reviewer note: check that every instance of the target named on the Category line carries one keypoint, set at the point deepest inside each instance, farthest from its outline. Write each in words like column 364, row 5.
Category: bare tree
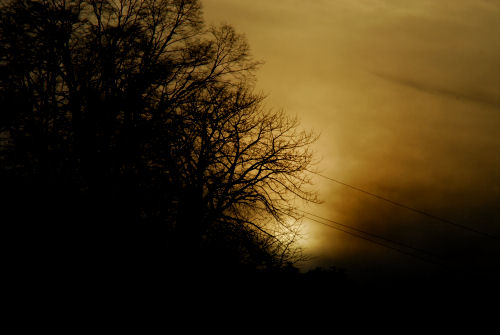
column 245, row 168
column 150, row 117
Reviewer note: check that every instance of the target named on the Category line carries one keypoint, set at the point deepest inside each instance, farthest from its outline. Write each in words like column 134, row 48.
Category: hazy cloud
column 406, row 95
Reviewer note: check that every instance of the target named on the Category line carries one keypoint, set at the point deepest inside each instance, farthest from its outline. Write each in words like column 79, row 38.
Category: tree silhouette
column 131, row 131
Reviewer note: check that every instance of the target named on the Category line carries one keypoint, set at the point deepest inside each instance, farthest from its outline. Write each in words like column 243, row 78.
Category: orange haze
column 406, row 95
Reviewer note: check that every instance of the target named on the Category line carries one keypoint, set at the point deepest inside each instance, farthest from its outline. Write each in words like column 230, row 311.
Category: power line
column 405, row 245
column 378, row 243
column 416, row 210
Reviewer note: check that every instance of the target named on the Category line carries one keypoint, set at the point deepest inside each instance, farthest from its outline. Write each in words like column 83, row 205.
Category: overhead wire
column 435, row 259
column 416, row 210
column 399, row 243
column 427, row 260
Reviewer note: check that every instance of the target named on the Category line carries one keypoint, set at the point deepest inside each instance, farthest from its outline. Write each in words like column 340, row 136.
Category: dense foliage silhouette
column 132, row 142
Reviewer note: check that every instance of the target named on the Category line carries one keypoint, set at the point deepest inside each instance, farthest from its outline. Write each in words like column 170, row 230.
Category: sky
column 406, row 97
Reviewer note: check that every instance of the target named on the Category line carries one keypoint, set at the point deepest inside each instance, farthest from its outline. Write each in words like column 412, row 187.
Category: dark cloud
column 466, row 95
column 456, row 252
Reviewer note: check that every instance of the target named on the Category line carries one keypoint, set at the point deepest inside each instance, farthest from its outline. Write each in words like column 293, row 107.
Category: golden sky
column 406, row 96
